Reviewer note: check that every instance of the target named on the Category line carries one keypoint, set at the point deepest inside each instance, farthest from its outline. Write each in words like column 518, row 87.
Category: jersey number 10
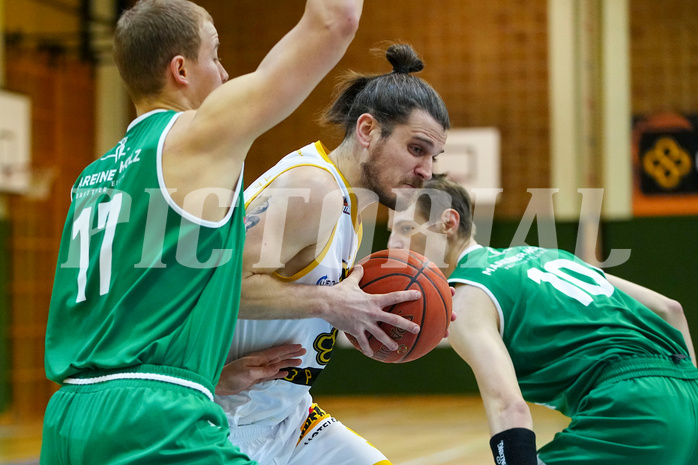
column 569, row 285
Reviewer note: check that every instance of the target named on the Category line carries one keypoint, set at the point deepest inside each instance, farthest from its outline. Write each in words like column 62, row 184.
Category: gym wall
column 62, row 92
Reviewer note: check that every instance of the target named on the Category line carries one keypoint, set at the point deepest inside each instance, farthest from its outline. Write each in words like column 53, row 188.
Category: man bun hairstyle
column 404, row 59
column 390, row 98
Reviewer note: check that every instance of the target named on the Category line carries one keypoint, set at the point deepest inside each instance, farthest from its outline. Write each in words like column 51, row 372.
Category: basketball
column 400, row 270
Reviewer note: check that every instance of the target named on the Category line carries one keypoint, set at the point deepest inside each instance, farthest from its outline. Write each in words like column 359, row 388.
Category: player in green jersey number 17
column 147, row 286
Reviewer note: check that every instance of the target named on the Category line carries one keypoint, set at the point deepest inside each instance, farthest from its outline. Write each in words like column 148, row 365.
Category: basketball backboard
column 471, row 158
column 15, row 141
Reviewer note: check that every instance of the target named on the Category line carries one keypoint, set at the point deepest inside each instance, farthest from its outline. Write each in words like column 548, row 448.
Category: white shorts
column 313, row 438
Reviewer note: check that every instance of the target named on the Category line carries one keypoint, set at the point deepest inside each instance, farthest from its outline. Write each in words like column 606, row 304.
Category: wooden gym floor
column 419, row 430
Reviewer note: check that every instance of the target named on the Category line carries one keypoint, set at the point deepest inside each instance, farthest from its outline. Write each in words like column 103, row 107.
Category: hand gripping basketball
column 397, row 270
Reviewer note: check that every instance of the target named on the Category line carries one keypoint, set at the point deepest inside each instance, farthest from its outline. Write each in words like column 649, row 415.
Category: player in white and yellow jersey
column 303, row 230
column 259, row 409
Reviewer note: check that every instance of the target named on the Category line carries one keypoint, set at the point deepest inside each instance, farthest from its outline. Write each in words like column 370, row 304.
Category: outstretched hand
column 256, row 367
column 359, row 313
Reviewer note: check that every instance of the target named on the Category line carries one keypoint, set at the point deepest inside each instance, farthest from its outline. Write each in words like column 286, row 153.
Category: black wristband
column 515, row 446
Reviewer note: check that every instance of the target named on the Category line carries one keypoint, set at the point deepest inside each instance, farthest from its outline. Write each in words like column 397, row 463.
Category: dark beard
column 370, row 181
column 387, row 196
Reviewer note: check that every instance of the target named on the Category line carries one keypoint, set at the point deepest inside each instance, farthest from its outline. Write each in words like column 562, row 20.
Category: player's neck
column 161, row 102
column 346, row 161
column 459, row 246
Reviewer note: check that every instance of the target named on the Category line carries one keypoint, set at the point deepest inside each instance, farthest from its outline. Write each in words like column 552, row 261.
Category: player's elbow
column 516, row 414
column 518, row 408
column 339, row 18
column 349, row 23
column 672, row 309
column 668, row 309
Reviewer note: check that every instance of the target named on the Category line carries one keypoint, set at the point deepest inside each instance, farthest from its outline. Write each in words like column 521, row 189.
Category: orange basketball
column 398, row 270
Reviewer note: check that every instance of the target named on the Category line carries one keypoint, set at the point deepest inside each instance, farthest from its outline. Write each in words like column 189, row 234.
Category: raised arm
column 286, row 222
column 475, row 337
column 207, row 146
column 245, row 107
column 668, row 309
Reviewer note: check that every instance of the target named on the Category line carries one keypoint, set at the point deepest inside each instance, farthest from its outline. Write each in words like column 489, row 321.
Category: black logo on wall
column 667, row 155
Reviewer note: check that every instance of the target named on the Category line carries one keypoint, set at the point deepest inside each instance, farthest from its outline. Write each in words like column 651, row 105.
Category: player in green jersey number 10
column 541, row 325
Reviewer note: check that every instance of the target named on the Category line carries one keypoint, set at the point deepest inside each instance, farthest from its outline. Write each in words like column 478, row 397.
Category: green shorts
column 642, row 411
column 105, row 421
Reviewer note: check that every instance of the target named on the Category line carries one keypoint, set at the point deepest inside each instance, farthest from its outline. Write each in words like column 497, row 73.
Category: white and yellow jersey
column 270, row 402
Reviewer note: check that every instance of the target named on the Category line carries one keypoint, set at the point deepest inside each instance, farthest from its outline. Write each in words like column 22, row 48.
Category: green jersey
column 139, row 280
column 561, row 320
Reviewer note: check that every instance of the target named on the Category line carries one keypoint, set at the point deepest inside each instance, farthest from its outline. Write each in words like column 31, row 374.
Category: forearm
column 319, row 40
column 345, row 306
column 668, row 309
column 511, row 427
column 266, row 298
column 658, row 303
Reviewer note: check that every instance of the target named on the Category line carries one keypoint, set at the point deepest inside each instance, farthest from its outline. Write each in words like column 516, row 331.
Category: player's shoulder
column 315, row 184
column 310, row 176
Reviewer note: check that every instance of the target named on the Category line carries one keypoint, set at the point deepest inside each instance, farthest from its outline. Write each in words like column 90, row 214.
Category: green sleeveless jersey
column 139, row 280
column 561, row 320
